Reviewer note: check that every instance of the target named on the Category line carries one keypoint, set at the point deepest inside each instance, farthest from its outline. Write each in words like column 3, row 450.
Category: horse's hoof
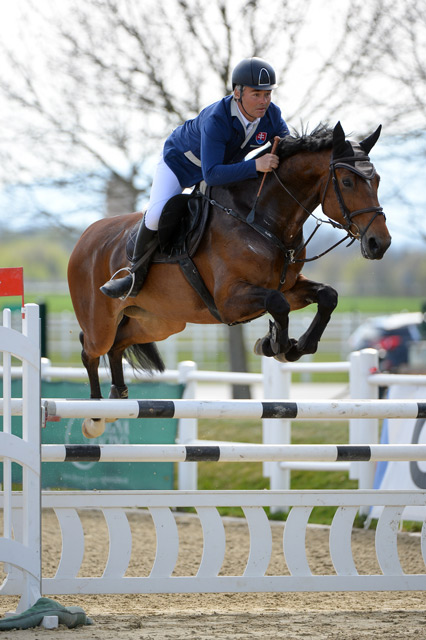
column 277, row 338
column 93, row 428
column 118, row 393
column 262, row 347
column 294, row 353
column 281, row 357
column 291, row 354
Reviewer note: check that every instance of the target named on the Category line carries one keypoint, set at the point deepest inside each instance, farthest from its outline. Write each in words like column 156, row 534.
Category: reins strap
column 268, row 235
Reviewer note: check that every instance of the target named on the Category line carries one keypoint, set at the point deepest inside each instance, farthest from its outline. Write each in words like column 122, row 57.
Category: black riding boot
column 145, row 245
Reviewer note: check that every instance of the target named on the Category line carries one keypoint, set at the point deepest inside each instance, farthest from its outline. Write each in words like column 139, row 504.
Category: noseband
column 366, row 174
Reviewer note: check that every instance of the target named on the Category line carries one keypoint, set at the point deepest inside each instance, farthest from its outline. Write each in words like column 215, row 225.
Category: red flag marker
column 12, row 282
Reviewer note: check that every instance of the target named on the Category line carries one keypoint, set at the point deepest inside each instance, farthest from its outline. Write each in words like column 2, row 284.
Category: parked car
column 391, row 336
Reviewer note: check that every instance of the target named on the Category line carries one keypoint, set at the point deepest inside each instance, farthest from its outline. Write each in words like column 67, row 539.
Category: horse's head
column 353, row 202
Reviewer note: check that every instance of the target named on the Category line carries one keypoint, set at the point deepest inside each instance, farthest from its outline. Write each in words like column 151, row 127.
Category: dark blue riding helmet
column 255, row 73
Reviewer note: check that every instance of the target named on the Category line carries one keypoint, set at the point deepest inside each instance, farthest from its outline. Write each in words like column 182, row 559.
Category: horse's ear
column 368, row 143
column 339, row 142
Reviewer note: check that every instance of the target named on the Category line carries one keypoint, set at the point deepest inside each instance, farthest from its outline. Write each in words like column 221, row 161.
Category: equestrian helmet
column 255, row 73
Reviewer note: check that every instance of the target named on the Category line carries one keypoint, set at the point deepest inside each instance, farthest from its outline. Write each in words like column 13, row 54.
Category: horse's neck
column 286, row 198
column 296, row 192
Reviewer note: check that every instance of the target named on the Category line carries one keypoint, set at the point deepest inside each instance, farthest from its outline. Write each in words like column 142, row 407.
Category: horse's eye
column 347, row 182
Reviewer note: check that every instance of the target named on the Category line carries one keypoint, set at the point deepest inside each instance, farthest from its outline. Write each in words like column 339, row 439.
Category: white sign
column 403, row 475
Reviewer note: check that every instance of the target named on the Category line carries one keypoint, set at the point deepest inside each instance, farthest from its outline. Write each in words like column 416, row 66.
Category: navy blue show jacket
column 212, row 146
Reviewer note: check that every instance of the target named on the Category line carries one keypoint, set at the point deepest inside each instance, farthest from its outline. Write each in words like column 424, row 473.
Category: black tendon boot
column 129, row 286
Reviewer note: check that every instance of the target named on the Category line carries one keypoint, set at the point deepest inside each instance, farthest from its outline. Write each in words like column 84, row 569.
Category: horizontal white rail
column 49, row 372
column 315, row 466
column 387, row 379
column 331, row 409
column 233, row 453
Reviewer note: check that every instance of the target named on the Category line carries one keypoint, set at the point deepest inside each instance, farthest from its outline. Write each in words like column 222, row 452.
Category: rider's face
column 253, row 103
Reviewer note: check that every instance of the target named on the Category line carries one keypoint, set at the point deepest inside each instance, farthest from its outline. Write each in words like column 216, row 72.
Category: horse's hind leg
column 119, row 388
column 92, row 427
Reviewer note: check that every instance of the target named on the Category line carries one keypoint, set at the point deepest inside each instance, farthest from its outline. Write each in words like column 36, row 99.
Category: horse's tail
column 145, row 357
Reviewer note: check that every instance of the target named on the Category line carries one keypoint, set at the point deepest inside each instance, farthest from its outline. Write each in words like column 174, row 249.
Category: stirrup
column 131, row 273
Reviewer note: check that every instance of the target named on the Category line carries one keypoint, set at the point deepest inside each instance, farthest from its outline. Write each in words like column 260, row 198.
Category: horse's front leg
column 307, row 292
column 248, row 300
column 277, row 340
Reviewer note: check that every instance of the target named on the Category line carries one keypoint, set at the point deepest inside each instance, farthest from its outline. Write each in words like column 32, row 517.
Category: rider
column 210, row 147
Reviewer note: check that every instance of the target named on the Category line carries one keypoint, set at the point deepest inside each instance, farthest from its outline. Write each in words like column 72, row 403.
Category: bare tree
column 93, row 88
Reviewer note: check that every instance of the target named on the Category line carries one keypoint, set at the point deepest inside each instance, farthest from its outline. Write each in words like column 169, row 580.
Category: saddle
column 182, row 224
column 181, row 228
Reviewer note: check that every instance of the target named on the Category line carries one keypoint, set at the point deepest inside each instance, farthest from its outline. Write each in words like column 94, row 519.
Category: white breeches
column 165, row 185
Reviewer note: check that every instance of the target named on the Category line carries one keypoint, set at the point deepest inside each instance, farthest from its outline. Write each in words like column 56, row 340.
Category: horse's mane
column 319, row 139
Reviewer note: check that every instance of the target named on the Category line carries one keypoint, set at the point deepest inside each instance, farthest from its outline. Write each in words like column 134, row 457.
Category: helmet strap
column 240, row 88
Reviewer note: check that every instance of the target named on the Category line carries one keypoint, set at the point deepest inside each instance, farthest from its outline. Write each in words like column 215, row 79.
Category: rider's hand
column 267, row 162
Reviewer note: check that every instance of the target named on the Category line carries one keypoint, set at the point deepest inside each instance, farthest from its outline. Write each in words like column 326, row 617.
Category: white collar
column 236, row 111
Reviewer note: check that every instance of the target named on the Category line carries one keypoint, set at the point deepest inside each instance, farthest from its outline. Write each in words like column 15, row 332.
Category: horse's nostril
column 373, row 246
column 375, row 249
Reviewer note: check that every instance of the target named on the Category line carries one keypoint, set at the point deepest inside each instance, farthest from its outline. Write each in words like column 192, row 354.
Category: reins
column 319, row 222
column 290, row 255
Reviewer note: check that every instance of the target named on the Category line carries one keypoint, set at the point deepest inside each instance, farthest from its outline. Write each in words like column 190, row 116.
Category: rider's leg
column 165, row 185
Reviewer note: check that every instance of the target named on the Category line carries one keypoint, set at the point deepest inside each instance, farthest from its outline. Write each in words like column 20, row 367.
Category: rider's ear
column 368, row 143
column 339, row 141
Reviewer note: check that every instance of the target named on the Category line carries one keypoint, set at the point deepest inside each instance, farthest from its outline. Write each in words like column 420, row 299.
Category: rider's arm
column 217, row 135
column 215, row 171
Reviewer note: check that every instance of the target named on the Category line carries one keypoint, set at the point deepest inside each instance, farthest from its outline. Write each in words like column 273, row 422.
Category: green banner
column 105, row 475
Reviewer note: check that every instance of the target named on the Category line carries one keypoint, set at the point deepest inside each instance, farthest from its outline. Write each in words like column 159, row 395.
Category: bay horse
column 250, row 260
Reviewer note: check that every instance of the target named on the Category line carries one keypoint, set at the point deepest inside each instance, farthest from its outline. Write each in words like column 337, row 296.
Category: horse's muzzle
column 374, row 246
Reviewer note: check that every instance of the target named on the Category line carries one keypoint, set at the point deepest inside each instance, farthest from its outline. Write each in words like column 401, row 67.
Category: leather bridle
column 343, row 163
column 366, row 172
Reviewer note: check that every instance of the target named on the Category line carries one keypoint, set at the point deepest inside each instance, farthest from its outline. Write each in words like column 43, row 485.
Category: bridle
column 343, row 163
column 338, row 163
column 367, row 172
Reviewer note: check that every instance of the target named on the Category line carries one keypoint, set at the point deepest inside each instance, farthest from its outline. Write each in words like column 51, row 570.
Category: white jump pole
column 255, row 409
column 187, row 454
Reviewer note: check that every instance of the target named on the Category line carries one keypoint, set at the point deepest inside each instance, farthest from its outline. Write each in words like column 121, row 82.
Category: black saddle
column 181, row 227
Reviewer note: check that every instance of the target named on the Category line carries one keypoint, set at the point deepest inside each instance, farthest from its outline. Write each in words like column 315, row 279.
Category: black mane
column 319, row 139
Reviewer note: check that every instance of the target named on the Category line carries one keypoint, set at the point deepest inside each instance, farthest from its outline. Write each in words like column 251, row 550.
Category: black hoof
column 262, row 347
column 118, row 393
column 293, row 353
